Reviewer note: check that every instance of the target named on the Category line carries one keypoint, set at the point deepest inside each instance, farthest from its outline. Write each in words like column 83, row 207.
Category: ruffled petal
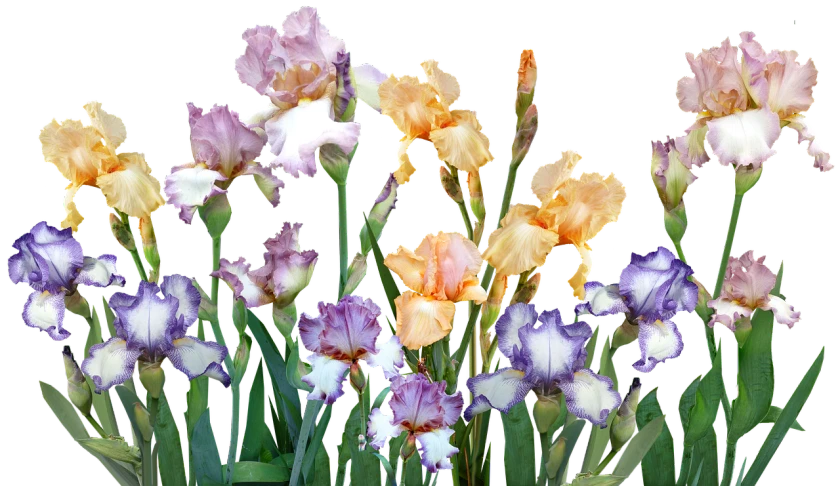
column 45, row 311
column 658, row 341
column 110, row 363
column 100, row 272
column 409, row 267
column 728, row 313
column 368, row 79
column 670, row 175
column 582, row 207
column 74, row 149
column 380, row 428
column 389, row 356
column 131, row 188
column 267, row 182
column 821, row 157
column 422, row 320
column 783, row 311
column 591, row 396
column 549, row 178
column 500, row 390
column 189, row 187
column 443, row 83
column 579, row 279
column 109, row 126
column 601, row 300
column 254, row 67
column 551, row 352
column 198, row 358
column 47, row 259
column 412, row 105
column 404, row 171
column 435, row 449
column 291, row 275
column 189, row 298
column 790, row 84
column 461, row 143
column 296, row 134
column 515, row 318
column 744, row 138
column 326, row 378
column 238, row 278
column 306, row 39
column 692, row 147
column 73, row 218
column 349, row 329
column 222, row 142
column 518, row 245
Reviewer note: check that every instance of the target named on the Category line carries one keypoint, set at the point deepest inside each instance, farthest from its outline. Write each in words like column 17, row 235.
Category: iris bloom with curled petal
column 651, row 290
column 87, row 156
column 151, row 326
column 52, row 263
column 298, row 71
column 421, row 110
column 287, row 271
column 426, row 412
column 742, row 105
column 572, row 211
column 440, row 272
column 547, row 359
column 339, row 337
column 223, row 148
column 746, row 287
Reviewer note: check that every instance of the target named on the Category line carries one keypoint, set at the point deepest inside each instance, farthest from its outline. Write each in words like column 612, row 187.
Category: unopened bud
column 207, row 310
column 144, row 421
column 77, row 304
column 122, row 233
column 152, row 377
column 77, row 387
column 335, row 162
column 150, row 248
column 525, row 133
column 240, row 316
column 676, row 222
column 216, row 214
column 344, row 102
column 476, row 195
column 357, row 377
column 528, row 290
column 624, row 423
column 408, row 448
column 493, row 305
column 703, row 298
column 626, row 333
column 743, row 328
column 526, row 82
column 556, row 453
column 746, row 178
column 546, row 411
column 284, row 318
column 241, row 357
column 355, row 273
column 450, row 185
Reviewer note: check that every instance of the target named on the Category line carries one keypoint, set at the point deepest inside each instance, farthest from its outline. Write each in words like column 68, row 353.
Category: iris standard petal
column 110, row 363
column 783, row 311
column 551, row 352
column 368, row 79
column 591, row 396
column 100, row 272
column 515, row 318
column 461, row 143
column 147, row 321
column 131, row 188
column 189, row 298
column 237, row 276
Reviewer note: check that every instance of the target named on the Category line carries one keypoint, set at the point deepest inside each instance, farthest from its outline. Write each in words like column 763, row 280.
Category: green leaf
column 696, row 480
column 66, row 414
column 295, row 369
column 380, row 398
column 109, row 318
column 485, row 471
column 638, row 447
column 707, row 397
column 569, row 435
column 773, row 415
column 602, row 480
column 741, row 474
column 170, row 455
column 128, row 399
column 115, row 449
column 658, row 464
column 290, row 402
column 391, row 479
column 317, row 439
column 391, row 289
column 255, row 421
column 599, row 438
column 258, row 472
column 101, row 401
column 519, row 446
column 590, row 348
column 705, row 460
column 208, row 466
column 197, row 398
column 784, row 422
column 687, row 401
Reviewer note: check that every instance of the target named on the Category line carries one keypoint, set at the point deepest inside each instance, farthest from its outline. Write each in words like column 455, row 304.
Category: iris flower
column 87, row 156
column 151, row 326
column 421, row 110
column 52, row 263
column 426, row 412
column 547, row 359
column 746, row 287
column 340, row 336
column 744, row 104
column 572, row 211
column 223, row 148
column 441, row 271
column 651, row 290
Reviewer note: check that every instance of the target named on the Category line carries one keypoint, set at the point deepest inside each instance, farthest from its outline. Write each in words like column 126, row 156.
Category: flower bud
column 528, row 290
column 355, row 273
column 122, row 233
column 743, row 328
column 703, row 298
column 335, row 162
column 409, row 447
column 493, row 305
column 555, row 457
column 546, row 411
column 150, row 249
column 624, row 423
column 77, row 304
column 152, row 377
column 77, row 387
column 526, row 83
column 476, row 195
column 676, row 222
column 344, row 102
column 357, row 377
column 450, row 185
column 745, row 179
column 215, row 213
column 241, row 357
column 378, row 215
column 626, row 333
column 144, row 421
column 669, row 173
column 525, row 133
column 240, row 315
column 284, row 318
column 207, row 310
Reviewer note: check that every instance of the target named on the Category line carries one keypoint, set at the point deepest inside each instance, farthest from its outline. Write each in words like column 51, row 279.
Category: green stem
column 545, row 443
column 605, row 462
column 403, row 472
column 309, row 414
column 727, row 247
column 234, row 433
column 147, row 464
column 685, row 466
column 152, row 406
column 680, row 253
column 217, row 254
column 362, row 422
column 729, row 463
column 95, row 424
column 467, row 223
column 139, row 264
column 342, row 237
column 511, row 180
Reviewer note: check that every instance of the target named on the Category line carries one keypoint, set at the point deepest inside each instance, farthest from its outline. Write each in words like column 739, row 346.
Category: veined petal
column 422, row 320
column 443, row 83
column 515, row 318
column 254, row 67
column 349, row 328
column 601, row 300
column 500, row 390
column 109, row 126
column 237, row 276
column 110, row 363
column 292, row 274
column 582, row 207
column 268, row 183
column 435, row 449
column 519, row 244
column 412, row 105
column 368, row 79
column 306, row 39
column 296, row 134
column 578, row 280
column 189, row 298
column 389, row 356
column 692, row 147
column 222, row 142
column 551, row 352
column 591, row 396
column 409, row 267
column 380, row 428
column 728, row 312
column 790, row 85
column 189, row 187
column 146, row 320
column 131, row 188
column 100, row 272
column 47, row 259
column 198, row 358
column 73, row 217
column 744, row 138
column 549, row 178
column 821, row 157
column 670, row 175
column 658, row 341
column 783, row 311
column 326, row 378
column 45, row 311
column 461, row 142
column 74, row 149
column 404, row 171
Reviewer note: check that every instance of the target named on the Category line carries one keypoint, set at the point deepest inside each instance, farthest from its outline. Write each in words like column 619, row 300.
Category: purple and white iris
column 651, row 290
column 339, row 337
column 151, row 326
column 52, row 263
column 548, row 359
column 424, row 410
